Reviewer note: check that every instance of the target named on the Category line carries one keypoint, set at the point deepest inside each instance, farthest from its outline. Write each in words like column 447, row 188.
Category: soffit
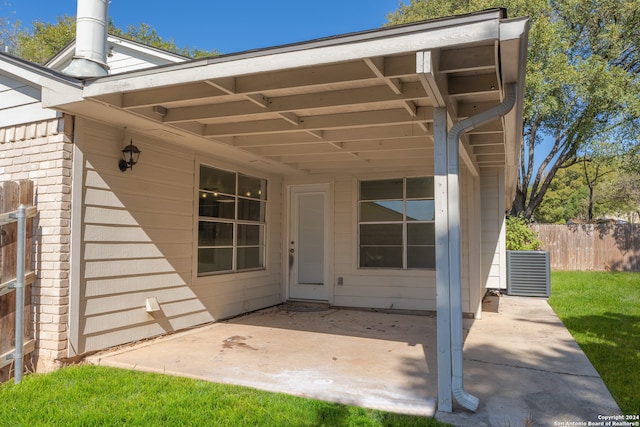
column 369, row 113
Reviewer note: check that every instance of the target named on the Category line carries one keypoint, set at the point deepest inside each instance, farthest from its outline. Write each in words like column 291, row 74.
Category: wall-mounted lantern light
column 130, row 156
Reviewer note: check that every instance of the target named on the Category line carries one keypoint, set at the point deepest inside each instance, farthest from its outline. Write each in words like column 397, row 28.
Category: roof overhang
column 358, row 102
column 62, row 59
column 56, row 88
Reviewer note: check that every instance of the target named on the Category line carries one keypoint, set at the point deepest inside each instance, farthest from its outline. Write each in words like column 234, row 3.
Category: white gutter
column 465, row 399
column 90, row 59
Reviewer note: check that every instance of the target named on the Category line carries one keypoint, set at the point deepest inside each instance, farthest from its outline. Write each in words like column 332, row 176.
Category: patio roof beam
column 369, row 166
column 291, row 103
column 481, row 140
column 436, row 84
column 187, row 92
column 473, row 85
column 468, row 109
column 331, row 121
column 423, row 152
column 469, row 58
column 333, row 135
column 374, row 145
column 488, row 149
column 377, row 66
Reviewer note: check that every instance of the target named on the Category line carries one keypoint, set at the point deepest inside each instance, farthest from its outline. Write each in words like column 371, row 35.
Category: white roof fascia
column 35, row 75
column 396, row 40
column 514, row 39
column 64, row 55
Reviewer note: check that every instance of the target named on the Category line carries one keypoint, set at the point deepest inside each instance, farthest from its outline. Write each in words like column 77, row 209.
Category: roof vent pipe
column 465, row 399
column 90, row 59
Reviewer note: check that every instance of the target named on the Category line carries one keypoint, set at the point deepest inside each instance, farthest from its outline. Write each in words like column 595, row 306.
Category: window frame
column 236, row 222
column 404, row 222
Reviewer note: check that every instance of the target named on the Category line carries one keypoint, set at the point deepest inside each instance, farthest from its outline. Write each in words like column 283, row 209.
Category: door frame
column 326, row 189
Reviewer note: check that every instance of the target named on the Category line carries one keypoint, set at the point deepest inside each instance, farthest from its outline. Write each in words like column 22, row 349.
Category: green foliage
column 601, row 311
column 94, row 396
column 582, row 82
column 44, row 40
column 614, row 192
column 146, row 34
column 566, row 199
column 519, row 236
column 620, row 193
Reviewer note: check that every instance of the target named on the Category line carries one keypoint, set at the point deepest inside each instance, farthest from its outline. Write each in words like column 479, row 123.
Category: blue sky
column 227, row 26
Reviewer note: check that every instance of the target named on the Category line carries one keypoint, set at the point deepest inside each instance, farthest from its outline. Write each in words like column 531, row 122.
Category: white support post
column 441, row 195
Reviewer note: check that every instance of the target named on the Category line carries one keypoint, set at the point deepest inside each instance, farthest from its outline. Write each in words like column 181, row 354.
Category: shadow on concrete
column 525, row 367
column 521, row 362
column 371, row 359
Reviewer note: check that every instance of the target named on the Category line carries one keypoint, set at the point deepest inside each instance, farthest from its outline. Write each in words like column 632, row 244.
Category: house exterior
column 319, row 171
column 34, row 146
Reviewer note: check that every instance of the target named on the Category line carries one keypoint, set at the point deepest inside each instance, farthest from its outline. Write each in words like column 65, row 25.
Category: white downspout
column 90, row 59
column 465, row 399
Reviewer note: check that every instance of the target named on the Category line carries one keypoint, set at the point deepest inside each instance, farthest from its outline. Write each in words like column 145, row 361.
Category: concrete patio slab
column 370, row 359
column 520, row 361
column 526, row 369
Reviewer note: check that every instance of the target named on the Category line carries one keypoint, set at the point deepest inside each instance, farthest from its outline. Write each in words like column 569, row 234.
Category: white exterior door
column 308, row 243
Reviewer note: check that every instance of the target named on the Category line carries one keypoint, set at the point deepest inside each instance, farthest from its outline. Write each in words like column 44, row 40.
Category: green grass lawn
column 98, row 396
column 602, row 312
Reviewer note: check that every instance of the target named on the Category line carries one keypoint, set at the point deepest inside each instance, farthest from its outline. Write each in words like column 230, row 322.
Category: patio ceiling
column 361, row 102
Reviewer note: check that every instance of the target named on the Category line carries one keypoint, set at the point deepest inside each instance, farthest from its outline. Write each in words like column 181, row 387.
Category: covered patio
column 376, row 169
column 521, row 361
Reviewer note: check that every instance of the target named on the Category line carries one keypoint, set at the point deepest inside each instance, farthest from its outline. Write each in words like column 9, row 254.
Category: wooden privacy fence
column 12, row 195
column 606, row 247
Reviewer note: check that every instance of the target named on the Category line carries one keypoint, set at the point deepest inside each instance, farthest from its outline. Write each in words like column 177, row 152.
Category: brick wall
column 42, row 152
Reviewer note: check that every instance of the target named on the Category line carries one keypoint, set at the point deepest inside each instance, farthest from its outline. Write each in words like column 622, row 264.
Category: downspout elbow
column 473, row 122
column 466, row 400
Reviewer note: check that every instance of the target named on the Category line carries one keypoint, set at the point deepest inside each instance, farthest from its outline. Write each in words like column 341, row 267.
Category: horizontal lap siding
column 472, row 285
column 409, row 290
column 123, row 59
column 492, row 216
column 20, row 103
column 228, row 295
column 464, row 240
column 138, row 242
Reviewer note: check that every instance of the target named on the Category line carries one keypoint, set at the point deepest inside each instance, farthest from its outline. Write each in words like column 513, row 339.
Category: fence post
column 16, row 277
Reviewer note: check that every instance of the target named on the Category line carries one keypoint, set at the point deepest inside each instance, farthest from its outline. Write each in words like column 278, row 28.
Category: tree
column 9, row 30
column 146, row 34
column 621, row 193
column 565, row 199
column 44, row 39
column 582, row 79
column 594, row 188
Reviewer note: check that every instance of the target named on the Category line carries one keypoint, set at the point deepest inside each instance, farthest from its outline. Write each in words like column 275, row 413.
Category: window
column 231, row 221
column 396, row 223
